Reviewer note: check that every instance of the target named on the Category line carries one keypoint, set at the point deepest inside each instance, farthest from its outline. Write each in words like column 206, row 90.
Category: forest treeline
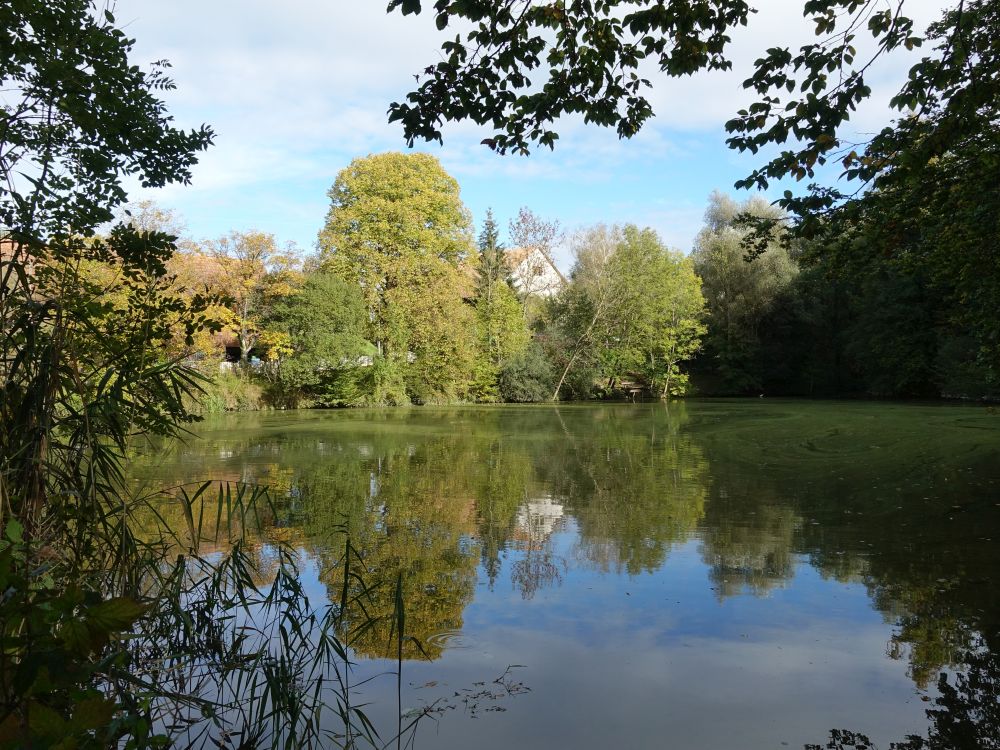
column 404, row 302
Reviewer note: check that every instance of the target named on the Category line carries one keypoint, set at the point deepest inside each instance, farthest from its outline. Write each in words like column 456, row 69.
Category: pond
column 704, row 574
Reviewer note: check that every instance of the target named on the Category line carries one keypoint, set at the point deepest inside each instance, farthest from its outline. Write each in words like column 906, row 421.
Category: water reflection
column 573, row 508
column 966, row 713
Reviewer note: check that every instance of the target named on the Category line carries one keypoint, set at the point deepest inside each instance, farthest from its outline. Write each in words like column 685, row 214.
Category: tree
column 79, row 116
column 584, row 309
column 254, row 274
column 633, row 308
column 493, row 270
column 398, row 229
column 673, row 327
column 320, row 339
column 740, row 293
column 503, row 329
column 148, row 216
column 526, row 377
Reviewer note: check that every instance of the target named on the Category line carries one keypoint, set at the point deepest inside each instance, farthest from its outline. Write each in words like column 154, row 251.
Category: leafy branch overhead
column 922, row 193
column 78, row 116
column 521, row 65
column 586, row 55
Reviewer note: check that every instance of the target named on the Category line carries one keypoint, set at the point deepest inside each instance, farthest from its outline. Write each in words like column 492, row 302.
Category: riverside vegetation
column 125, row 624
column 400, row 306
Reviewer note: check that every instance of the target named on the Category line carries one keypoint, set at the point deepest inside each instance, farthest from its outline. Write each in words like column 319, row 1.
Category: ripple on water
column 447, row 639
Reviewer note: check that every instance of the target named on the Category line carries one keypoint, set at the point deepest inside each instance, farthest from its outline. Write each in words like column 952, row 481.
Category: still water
column 708, row 574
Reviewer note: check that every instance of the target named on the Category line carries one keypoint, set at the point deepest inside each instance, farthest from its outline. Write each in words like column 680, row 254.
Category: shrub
column 527, row 377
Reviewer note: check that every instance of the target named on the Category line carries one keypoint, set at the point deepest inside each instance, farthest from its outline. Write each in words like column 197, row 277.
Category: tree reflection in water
column 528, row 494
column 966, row 713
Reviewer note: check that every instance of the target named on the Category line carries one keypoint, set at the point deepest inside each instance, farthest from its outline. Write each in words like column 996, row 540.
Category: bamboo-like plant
column 118, row 628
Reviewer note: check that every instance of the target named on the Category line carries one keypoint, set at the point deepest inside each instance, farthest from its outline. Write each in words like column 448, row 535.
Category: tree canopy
column 397, row 227
column 921, row 192
column 78, row 117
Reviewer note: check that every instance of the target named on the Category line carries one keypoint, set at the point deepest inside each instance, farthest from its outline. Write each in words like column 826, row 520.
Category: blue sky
column 295, row 90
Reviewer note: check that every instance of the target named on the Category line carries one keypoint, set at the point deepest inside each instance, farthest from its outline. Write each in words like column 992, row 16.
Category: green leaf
column 14, row 531
column 116, row 614
column 93, row 713
column 77, row 636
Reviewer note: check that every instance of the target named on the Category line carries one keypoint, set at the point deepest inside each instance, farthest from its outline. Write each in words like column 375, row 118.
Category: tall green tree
column 582, row 315
column 740, row 292
column 656, row 321
column 493, row 270
column 397, row 228
column 673, row 326
column 633, row 309
column 503, row 329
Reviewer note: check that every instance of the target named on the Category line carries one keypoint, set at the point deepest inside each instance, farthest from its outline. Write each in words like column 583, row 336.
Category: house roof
column 515, row 256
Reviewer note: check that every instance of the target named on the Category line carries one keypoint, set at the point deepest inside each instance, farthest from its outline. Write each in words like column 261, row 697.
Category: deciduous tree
column 740, row 293
column 254, row 274
column 397, row 227
column 318, row 333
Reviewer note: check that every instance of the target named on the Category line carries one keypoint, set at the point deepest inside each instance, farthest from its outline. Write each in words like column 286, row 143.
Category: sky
column 297, row 89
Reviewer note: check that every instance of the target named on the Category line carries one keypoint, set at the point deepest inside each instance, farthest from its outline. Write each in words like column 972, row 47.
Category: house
column 533, row 271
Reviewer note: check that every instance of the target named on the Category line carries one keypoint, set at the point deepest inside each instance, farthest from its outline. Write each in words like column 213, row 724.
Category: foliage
column 254, row 276
column 590, row 57
column 502, row 327
column 526, row 377
column 740, row 293
column 921, row 193
column 798, row 322
column 228, row 391
column 671, row 324
column 78, row 115
column 493, row 269
column 398, row 229
column 584, row 310
column 321, row 329
column 892, row 338
column 56, row 644
column 933, row 208
column 657, row 318
column 590, row 54
column 633, row 308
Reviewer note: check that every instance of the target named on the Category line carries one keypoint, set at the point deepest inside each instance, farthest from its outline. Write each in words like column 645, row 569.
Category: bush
column 527, row 377
column 230, row 391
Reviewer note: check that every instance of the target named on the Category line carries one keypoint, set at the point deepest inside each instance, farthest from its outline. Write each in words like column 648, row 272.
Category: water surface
column 708, row 574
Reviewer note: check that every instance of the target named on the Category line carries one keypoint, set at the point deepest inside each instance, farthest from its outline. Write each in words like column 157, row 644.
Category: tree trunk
column 555, row 395
column 245, row 346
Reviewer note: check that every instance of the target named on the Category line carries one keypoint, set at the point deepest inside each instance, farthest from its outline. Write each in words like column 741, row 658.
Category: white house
column 533, row 272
